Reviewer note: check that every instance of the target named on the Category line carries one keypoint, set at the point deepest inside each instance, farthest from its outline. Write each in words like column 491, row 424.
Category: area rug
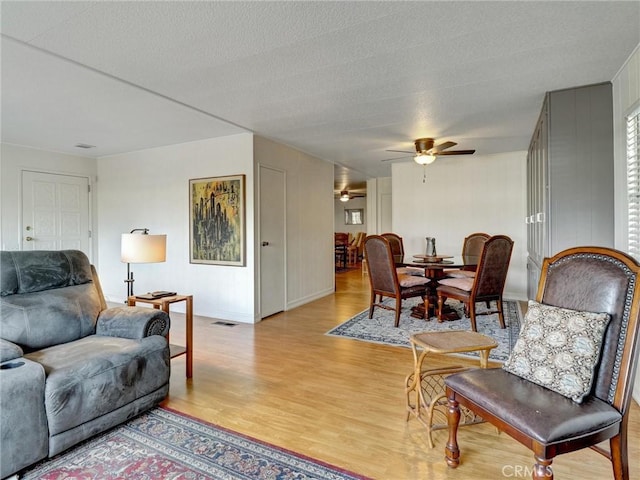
column 164, row 444
column 380, row 329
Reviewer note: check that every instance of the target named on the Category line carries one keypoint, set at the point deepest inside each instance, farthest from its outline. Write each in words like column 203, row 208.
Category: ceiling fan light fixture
column 344, row 196
column 424, row 159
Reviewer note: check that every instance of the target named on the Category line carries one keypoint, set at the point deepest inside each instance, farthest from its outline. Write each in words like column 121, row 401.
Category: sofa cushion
column 9, row 351
column 95, row 375
column 42, row 319
column 35, row 271
column 558, row 349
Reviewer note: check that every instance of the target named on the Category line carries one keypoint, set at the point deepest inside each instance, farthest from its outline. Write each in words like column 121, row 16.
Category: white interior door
column 55, row 212
column 272, row 241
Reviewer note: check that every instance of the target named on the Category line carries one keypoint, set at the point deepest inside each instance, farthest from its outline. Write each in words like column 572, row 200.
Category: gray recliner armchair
column 69, row 366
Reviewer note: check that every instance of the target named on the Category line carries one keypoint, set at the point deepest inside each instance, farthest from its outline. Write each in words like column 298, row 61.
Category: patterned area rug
column 380, row 328
column 164, row 444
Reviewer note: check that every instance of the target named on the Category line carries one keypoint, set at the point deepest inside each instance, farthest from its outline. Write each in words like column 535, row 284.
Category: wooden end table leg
column 189, row 336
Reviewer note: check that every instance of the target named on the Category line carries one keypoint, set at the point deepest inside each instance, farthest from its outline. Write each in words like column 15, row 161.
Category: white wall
column 626, row 97
column 150, row 189
column 379, row 201
column 309, row 220
column 340, row 207
column 463, row 195
column 13, row 160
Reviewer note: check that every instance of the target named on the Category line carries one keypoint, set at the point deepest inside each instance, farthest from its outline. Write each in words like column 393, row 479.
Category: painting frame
column 354, row 216
column 217, row 222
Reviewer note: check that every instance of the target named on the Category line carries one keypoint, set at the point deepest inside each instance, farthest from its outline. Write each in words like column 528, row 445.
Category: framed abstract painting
column 217, row 220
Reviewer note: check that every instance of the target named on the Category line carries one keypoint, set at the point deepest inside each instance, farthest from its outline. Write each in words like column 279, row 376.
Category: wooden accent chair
column 486, row 286
column 384, row 278
column 584, row 279
column 354, row 249
column 471, row 247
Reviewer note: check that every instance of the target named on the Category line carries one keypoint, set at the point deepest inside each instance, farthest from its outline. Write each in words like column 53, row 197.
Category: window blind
column 633, row 183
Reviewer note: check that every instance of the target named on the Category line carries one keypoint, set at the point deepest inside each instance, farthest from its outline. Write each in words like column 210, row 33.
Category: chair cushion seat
column 417, row 271
column 459, row 273
column 412, row 280
column 465, row 283
column 538, row 412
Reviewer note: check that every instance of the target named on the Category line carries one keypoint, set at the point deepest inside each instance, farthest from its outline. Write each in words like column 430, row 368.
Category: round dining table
column 435, row 268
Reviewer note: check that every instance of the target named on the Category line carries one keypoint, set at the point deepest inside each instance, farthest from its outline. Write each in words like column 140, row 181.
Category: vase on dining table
column 431, row 247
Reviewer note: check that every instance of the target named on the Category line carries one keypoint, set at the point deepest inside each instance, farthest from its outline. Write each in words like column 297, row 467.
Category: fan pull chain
column 424, row 175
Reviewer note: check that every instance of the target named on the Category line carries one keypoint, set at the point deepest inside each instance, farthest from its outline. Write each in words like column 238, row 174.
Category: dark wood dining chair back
column 382, row 272
column 586, row 279
column 397, row 245
column 384, row 278
column 473, row 244
column 486, row 286
column 491, row 274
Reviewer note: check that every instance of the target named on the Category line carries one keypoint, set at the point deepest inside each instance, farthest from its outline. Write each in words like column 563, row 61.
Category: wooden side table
column 163, row 303
column 425, row 387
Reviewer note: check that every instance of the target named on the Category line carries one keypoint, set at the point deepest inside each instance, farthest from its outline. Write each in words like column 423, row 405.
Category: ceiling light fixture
column 424, row 158
column 344, row 196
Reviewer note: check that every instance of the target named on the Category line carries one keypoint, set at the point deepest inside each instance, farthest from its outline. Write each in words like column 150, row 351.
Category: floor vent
column 225, row 324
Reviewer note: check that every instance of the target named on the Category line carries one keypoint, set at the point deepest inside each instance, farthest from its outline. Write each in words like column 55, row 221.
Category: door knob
column 29, row 239
column 264, row 244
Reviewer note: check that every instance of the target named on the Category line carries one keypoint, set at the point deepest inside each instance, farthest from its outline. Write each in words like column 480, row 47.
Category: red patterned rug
column 165, row 444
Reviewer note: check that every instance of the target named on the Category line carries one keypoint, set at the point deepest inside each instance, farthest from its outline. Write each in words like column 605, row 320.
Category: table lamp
column 141, row 248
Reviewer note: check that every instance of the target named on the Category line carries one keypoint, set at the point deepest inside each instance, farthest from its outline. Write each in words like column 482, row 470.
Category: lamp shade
column 143, row 248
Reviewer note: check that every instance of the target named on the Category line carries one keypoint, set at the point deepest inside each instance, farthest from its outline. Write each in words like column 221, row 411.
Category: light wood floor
column 342, row 401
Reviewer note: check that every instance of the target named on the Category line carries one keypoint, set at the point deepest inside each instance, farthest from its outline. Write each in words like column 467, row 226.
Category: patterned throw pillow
column 558, row 349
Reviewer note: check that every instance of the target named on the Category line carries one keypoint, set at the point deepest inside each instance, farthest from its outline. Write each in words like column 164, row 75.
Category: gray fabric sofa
column 69, row 366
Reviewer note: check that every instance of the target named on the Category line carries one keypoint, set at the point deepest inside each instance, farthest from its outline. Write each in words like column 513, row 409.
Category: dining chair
column 397, row 249
column 384, row 278
column 397, row 246
column 471, row 247
column 583, row 395
column 341, row 241
column 355, row 248
column 486, row 286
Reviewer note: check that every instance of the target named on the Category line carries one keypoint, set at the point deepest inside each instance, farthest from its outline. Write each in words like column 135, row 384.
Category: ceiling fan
column 346, row 195
column 427, row 152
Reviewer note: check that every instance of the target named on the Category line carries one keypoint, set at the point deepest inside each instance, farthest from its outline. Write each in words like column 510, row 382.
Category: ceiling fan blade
column 400, row 151
column 457, row 152
column 398, row 158
column 442, row 146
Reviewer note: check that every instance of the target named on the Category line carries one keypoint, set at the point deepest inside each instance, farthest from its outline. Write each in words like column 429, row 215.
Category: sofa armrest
column 9, row 351
column 132, row 322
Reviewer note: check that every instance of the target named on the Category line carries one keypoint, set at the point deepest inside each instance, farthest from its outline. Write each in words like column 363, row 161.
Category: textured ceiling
column 343, row 81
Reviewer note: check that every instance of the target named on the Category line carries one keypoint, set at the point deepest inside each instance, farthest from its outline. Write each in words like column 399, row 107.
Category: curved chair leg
column 398, row 309
column 441, row 301
column 619, row 456
column 472, row 317
column 542, row 469
column 373, row 301
column 500, row 314
column 451, row 451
